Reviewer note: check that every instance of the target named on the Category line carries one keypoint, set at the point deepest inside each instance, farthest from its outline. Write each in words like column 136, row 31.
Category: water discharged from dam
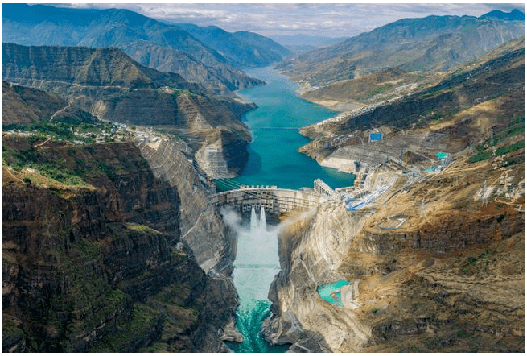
column 254, row 269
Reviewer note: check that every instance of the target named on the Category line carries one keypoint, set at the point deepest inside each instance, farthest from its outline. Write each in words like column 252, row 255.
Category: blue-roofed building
column 377, row 136
column 442, row 155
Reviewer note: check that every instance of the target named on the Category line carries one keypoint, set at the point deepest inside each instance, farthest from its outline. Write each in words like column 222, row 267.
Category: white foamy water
column 256, row 261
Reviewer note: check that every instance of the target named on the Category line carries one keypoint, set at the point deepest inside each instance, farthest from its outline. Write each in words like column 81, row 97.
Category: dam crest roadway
column 275, row 200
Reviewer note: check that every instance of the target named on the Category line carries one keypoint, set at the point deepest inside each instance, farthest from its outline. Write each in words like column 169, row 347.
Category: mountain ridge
column 50, row 25
column 433, row 43
column 110, row 85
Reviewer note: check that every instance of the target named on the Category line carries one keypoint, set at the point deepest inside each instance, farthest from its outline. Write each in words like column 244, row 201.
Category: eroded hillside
column 461, row 111
column 113, row 87
column 434, row 264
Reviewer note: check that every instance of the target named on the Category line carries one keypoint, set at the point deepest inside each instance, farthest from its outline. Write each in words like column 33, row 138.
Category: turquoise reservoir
column 326, row 290
column 273, row 155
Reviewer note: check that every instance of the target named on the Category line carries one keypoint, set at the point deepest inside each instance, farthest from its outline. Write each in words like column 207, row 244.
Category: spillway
column 254, row 269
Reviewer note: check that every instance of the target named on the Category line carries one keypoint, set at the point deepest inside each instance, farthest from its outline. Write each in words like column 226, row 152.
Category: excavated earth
column 451, row 278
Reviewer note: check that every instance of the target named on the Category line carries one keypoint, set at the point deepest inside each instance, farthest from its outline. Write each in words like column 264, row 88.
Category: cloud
column 336, row 20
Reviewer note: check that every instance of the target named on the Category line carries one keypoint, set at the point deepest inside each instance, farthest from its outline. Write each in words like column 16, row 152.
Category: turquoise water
column 249, row 322
column 325, row 292
column 273, row 160
column 255, row 266
column 273, row 155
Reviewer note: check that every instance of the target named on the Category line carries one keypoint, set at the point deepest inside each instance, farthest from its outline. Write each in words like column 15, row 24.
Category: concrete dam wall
column 274, row 200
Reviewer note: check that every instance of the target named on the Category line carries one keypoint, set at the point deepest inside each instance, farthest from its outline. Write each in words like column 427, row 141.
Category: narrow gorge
column 363, row 196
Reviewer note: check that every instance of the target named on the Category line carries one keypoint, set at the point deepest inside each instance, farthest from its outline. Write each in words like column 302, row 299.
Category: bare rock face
column 107, row 267
column 202, row 227
column 317, row 247
column 438, row 280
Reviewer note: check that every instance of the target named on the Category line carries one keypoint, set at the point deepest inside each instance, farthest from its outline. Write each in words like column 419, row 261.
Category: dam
column 277, row 179
column 274, row 200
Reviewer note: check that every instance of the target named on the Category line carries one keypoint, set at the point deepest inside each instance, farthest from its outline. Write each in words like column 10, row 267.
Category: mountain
column 110, row 85
column 307, row 40
column 434, row 43
column 241, row 48
column 104, row 248
column 500, row 15
column 305, row 43
column 83, row 66
column 429, row 249
column 22, row 105
column 462, row 108
column 137, row 35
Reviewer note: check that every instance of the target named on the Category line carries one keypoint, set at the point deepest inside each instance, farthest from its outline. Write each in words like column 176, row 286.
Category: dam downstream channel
column 273, row 160
column 254, row 269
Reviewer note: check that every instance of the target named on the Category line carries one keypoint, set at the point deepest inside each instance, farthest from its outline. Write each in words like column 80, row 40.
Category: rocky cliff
column 113, row 87
column 431, row 267
column 109, row 264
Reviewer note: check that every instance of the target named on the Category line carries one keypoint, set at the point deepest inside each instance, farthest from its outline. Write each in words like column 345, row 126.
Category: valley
column 175, row 187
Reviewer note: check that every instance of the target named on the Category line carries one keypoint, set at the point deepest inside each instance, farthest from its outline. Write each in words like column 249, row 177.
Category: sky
column 318, row 19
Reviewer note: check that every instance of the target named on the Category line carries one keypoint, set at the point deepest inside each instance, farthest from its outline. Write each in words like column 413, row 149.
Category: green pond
column 326, row 290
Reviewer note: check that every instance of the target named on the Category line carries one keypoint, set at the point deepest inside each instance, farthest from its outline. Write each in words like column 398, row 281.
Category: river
column 273, row 154
column 273, row 160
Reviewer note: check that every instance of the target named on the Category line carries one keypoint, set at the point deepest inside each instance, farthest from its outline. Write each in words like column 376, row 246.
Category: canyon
column 115, row 239
column 113, row 87
column 112, row 264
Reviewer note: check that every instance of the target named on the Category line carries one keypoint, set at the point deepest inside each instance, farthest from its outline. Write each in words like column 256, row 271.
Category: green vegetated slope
column 434, row 43
column 148, row 41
